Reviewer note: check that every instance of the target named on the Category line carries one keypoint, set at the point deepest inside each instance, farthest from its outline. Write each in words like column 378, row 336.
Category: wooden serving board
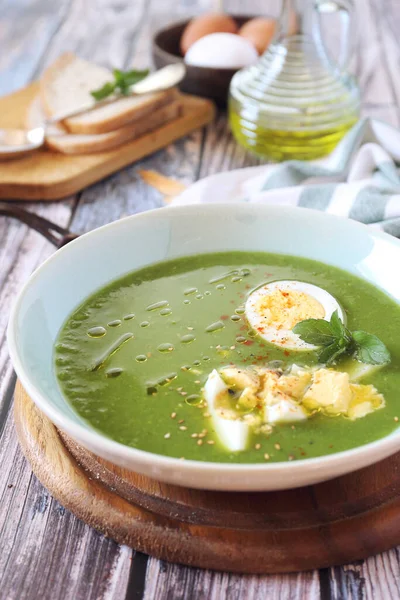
column 332, row 523
column 49, row 175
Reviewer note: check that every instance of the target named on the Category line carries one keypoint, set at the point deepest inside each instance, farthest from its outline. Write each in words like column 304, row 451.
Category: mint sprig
column 123, row 80
column 334, row 340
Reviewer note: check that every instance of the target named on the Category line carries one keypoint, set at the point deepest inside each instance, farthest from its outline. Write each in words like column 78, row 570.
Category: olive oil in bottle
column 295, row 103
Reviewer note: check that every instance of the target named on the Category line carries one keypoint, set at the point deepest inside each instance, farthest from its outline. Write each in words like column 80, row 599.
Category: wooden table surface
column 45, row 552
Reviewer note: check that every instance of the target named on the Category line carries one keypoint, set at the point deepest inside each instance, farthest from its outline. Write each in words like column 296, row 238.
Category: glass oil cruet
column 296, row 102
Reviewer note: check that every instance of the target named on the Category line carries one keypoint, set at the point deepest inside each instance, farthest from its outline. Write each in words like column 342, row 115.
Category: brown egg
column 293, row 24
column 259, row 32
column 201, row 26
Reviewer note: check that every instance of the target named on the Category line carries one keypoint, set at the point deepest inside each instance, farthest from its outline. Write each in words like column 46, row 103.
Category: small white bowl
column 93, row 260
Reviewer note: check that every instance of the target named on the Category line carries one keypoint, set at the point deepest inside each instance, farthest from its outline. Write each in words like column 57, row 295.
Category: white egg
column 233, row 434
column 221, row 51
column 275, row 308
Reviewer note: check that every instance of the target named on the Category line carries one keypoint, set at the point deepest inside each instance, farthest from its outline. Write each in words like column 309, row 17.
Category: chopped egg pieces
column 329, row 390
column 241, row 399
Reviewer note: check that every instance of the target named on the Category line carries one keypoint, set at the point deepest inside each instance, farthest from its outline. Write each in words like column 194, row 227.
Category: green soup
column 133, row 358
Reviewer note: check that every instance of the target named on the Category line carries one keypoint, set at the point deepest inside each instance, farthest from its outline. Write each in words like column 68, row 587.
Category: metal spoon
column 16, row 143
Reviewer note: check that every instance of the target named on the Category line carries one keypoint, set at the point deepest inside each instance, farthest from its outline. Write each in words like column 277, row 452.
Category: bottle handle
column 345, row 10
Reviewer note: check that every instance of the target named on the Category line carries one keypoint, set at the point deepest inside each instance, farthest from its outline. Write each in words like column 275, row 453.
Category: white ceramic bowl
column 81, row 267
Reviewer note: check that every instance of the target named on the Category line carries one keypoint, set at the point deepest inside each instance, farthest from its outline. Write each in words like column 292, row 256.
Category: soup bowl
column 107, row 253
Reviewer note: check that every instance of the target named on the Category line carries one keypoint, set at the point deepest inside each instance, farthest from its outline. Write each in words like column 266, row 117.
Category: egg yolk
column 283, row 309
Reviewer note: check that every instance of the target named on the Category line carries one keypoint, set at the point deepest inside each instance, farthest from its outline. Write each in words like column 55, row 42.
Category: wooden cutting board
column 49, row 175
column 332, row 523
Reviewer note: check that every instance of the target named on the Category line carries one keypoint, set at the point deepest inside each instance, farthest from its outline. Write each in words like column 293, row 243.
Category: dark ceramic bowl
column 202, row 81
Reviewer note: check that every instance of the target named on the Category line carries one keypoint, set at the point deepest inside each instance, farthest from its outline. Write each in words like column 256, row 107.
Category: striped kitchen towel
column 360, row 179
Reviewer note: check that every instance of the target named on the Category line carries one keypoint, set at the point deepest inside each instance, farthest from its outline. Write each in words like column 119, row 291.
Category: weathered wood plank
column 21, row 251
column 166, row 582
column 26, row 29
column 389, row 42
column 373, row 579
column 103, row 31
column 371, row 72
column 45, row 548
column 221, row 152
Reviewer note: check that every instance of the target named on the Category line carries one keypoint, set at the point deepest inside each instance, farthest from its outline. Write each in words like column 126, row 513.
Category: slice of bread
column 58, row 138
column 66, row 85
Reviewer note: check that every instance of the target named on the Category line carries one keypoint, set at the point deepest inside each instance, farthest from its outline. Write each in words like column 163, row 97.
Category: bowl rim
column 89, row 435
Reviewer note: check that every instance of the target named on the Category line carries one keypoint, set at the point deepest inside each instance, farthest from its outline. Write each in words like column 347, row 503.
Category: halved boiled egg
column 275, row 308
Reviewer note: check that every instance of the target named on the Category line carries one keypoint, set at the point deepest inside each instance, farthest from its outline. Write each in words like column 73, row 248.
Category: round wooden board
column 332, row 523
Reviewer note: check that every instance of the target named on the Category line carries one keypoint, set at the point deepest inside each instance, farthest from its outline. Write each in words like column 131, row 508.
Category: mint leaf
column 122, row 83
column 315, row 331
column 131, row 77
column 103, row 92
column 331, row 352
column 334, row 339
column 338, row 327
column 370, row 349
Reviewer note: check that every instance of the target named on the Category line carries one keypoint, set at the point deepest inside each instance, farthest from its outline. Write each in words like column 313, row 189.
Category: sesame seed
column 184, row 369
column 211, row 442
column 266, row 456
column 396, row 419
column 201, row 435
column 232, row 347
column 290, row 457
column 206, row 415
column 179, row 389
column 293, row 427
column 167, row 436
column 183, row 393
column 194, row 435
column 257, row 446
column 204, row 430
column 183, row 428
column 181, row 421
column 197, row 381
column 199, row 442
column 190, row 328
column 277, row 446
column 173, row 415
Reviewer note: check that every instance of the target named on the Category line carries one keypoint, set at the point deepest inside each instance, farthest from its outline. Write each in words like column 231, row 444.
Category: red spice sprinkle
column 248, row 343
column 286, row 353
column 224, row 317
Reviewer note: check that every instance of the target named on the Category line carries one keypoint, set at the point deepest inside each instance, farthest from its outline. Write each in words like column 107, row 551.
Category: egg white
column 233, row 434
column 285, row 338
